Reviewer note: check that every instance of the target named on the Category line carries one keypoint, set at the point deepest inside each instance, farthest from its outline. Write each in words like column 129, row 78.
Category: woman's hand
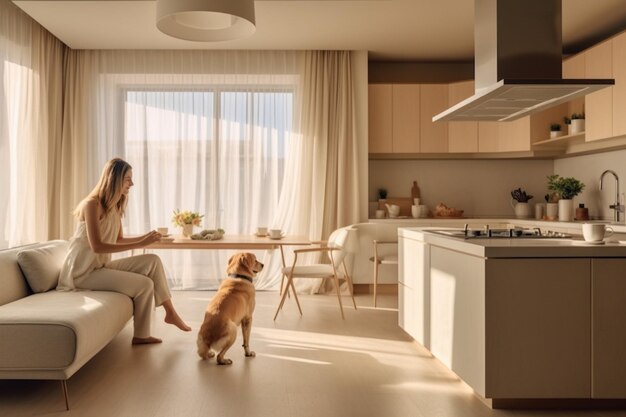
column 151, row 237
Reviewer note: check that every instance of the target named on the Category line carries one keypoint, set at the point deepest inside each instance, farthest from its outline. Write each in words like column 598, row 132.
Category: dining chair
column 382, row 257
column 339, row 245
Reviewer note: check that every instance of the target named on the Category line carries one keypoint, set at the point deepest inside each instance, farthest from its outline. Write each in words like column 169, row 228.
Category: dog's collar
column 240, row 276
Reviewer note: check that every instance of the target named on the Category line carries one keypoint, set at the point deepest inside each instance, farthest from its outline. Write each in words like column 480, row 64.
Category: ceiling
column 391, row 30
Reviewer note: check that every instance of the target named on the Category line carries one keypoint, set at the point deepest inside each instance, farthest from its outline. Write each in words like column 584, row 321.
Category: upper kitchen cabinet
column 433, row 135
column 504, row 136
column 406, row 118
column 599, row 105
column 394, row 118
column 574, row 68
column 462, row 136
column 619, row 89
column 380, row 118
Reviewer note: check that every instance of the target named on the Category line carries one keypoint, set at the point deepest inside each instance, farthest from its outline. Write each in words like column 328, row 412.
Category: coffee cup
column 415, row 211
column 423, row 210
column 163, row 230
column 276, row 233
column 380, row 214
column 261, row 231
column 595, row 232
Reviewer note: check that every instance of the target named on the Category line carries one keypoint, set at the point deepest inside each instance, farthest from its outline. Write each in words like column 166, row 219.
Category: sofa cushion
column 57, row 330
column 41, row 265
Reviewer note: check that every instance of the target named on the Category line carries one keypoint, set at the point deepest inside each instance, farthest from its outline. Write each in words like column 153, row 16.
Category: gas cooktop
column 514, row 233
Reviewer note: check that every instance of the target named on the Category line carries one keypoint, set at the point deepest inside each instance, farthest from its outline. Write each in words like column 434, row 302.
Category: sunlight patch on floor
column 293, row 359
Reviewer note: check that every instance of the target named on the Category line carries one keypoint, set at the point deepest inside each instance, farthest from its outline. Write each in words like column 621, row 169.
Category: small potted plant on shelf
column 578, row 123
column 382, row 194
column 520, row 203
column 555, row 130
column 552, row 206
column 567, row 188
column 568, row 122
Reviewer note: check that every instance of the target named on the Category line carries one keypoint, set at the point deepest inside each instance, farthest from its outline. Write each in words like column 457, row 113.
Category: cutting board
column 404, row 203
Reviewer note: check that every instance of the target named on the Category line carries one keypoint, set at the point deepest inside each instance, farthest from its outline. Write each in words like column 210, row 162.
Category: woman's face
column 128, row 182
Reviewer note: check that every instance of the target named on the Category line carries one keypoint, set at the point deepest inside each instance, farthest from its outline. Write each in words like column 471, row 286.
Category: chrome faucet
column 616, row 207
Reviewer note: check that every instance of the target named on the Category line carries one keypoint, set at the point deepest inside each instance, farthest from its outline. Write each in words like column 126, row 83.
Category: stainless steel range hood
column 518, row 63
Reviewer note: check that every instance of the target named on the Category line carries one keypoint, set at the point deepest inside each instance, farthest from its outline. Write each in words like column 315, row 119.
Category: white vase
column 552, row 211
column 566, row 210
column 187, row 230
column 555, row 134
column 577, row 126
column 522, row 210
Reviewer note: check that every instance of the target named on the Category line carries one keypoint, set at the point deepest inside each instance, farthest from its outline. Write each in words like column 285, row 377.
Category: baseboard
column 381, row 289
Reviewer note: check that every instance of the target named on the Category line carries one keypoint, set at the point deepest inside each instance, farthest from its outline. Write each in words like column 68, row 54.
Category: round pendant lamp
column 206, row 20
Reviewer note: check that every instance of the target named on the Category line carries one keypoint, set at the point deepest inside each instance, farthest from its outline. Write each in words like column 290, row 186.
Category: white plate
column 277, row 238
column 585, row 243
column 165, row 236
column 166, row 239
column 258, row 235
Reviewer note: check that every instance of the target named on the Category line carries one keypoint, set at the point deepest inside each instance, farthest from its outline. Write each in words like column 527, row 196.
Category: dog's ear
column 250, row 260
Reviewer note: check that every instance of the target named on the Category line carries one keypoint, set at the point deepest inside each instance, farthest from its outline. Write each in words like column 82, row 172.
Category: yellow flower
column 181, row 218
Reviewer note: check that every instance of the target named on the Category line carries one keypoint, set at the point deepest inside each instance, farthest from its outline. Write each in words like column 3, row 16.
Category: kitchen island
column 519, row 320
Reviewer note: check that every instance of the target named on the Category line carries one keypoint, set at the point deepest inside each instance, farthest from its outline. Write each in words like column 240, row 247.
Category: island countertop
column 574, row 247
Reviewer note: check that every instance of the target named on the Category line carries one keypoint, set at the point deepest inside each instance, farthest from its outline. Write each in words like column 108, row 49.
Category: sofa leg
column 67, row 402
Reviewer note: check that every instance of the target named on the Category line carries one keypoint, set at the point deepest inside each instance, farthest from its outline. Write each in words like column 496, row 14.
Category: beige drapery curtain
column 31, row 91
column 325, row 195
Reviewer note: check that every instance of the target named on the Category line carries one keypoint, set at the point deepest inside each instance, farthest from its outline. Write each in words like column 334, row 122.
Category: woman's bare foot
column 145, row 340
column 177, row 321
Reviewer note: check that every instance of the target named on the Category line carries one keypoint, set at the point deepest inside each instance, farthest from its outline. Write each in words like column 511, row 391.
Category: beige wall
column 359, row 62
column 588, row 169
column 480, row 187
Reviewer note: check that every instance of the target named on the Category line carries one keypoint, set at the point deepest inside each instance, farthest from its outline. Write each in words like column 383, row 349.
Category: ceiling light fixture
column 206, row 20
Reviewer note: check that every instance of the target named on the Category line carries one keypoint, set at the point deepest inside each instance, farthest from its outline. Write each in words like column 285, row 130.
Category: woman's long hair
column 108, row 191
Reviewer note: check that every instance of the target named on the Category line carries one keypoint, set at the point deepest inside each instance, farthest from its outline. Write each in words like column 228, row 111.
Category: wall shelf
column 560, row 142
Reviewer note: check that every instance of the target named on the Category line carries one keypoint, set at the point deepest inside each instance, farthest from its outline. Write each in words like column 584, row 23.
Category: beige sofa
column 48, row 334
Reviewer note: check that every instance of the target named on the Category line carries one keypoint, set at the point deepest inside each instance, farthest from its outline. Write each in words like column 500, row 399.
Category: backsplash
column 480, row 187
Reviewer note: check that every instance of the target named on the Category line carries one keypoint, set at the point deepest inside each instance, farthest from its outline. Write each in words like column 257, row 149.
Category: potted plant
column 578, row 123
column 187, row 220
column 382, row 194
column 520, row 203
column 555, row 130
column 567, row 188
column 568, row 122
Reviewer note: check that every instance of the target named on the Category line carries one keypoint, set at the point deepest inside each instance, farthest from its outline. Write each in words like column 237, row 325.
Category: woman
column 88, row 264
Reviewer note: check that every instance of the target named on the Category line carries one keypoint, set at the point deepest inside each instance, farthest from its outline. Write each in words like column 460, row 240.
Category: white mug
column 380, row 214
column 423, row 210
column 162, row 230
column 539, row 210
column 595, row 232
column 261, row 231
column 276, row 233
column 415, row 211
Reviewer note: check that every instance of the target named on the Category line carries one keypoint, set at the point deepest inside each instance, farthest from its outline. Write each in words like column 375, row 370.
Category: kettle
column 394, row 210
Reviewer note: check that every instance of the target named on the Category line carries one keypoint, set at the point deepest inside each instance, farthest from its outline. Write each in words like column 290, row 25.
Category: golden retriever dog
column 232, row 305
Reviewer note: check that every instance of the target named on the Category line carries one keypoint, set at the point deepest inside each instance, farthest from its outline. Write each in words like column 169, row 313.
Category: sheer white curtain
column 247, row 138
column 30, row 105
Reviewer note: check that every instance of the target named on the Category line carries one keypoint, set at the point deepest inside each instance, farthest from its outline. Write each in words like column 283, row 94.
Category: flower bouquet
column 187, row 220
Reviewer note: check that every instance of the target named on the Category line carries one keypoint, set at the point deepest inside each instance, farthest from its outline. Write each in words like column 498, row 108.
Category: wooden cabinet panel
column 538, row 327
column 380, row 118
column 514, row 136
column 488, row 136
column 406, row 118
column 619, row 89
column 574, row 67
column 462, row 136
column 608, row 328
column 414, row 289
column 433, row 136
column 599, row 105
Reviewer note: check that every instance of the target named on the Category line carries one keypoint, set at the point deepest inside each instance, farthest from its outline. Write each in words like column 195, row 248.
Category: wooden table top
column 231, row 242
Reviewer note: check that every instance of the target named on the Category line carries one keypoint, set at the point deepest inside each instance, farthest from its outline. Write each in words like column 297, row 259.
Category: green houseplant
column 382, row 194
column 577, row 123
column 567, row 188
column 555, row 130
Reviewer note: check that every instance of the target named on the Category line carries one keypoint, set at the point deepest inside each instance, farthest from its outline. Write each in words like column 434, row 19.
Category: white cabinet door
column 414, row 289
